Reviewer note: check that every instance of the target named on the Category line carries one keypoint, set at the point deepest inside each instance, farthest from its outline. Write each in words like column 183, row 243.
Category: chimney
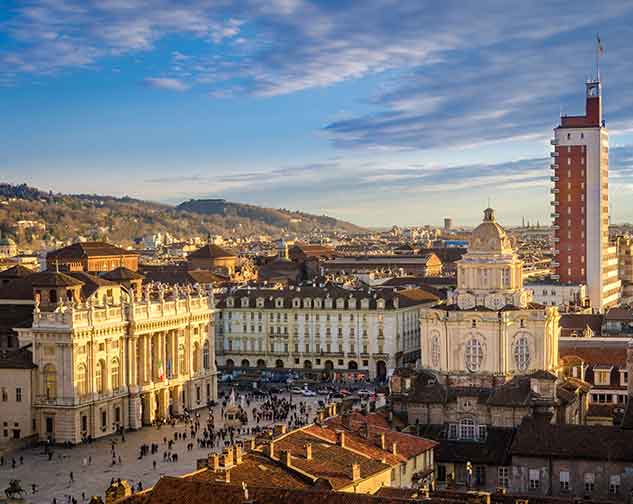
column 394, row 448
column 286, row 458
column 346, row 420
column 279, row 429
column 271, row 449
column 340, row 439
column 308, row 451
column 380, row 441
column 214, row 462
column 251, row 444
column 237, row 453
column 227, row 458
column 355, row 472
column 227, row 476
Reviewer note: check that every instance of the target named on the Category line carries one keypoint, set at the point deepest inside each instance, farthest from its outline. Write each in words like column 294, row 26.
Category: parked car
column 296, row 390
column 364, row 393
column 308, row 393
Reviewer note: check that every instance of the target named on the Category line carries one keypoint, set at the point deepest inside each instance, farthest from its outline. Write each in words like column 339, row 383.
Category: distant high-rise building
column 448, row 223
column 581, row 203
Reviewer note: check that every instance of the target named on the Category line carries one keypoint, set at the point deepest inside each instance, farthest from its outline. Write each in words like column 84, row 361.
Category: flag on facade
column 169, row 375
column 161, row 371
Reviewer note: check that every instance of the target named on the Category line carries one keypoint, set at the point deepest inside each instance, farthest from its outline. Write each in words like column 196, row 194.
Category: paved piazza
column 53, row 477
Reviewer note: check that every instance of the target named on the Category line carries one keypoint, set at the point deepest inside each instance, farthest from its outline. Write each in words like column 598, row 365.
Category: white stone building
column 489, row 324
column 110, row 366
column 347, row 334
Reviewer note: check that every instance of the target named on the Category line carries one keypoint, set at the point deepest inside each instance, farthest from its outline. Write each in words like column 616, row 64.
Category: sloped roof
column 211, row 251
column 21, row 358
column 17, row 271
column 83, row 250
column 535, row 438
column 122, row 274
column 53, row 279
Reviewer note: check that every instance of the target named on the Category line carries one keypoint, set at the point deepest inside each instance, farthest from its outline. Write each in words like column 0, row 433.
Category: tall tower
column 582, row 253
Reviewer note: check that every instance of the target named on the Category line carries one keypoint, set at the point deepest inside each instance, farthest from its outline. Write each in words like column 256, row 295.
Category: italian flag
column 161, row 371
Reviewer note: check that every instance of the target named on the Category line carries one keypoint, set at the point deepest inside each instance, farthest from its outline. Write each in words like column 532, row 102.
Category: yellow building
column 489, row 324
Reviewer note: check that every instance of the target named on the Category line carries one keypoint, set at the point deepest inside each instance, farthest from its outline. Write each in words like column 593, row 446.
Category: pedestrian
column 154, row 464
column 21, row 460
column 72, row 477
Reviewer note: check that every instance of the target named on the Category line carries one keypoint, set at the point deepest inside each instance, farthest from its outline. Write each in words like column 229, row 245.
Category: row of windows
column 18, row 394
column 307, row 303
column 279, row 316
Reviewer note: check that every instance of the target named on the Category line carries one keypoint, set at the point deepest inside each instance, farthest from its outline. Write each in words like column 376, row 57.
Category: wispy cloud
column 168, row 83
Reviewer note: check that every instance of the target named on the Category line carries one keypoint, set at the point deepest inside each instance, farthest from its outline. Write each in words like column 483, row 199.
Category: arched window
column 205, row 355
column 100, row 376
column 82, row 384
column 522, row 353
column 467, row 428
column 195, row 357
column 50, row 381
column 181, row 360
column 435, row 351
column 474, row 355
column 115, row 374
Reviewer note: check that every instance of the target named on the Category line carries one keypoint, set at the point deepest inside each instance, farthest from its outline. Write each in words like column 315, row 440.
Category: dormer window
column 340, row 304
column 364, row 304
column 279, row 302
column 296, row 303
column 352, row 304
column 244, row 302
column 260, row 302
column 380, row 304
column 328, row 303
column 307, row 303
column 230, row 302
column 317, row 303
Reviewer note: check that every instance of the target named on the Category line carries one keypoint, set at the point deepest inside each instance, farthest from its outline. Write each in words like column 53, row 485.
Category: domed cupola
column 489, row 237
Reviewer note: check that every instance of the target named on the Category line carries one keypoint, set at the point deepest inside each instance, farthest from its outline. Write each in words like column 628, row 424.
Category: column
column 163, row 350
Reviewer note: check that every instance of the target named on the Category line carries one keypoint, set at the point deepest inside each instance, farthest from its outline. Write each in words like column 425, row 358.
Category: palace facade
column 349, row 334
column 108, row 358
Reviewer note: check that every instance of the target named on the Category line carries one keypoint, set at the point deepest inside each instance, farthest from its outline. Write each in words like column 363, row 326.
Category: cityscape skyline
column 289, row 104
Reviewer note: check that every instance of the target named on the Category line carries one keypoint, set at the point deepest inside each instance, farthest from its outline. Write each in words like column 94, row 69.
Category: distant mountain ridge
column 124, row 219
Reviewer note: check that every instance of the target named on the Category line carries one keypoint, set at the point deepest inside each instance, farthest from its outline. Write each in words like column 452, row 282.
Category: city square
column 92, row 465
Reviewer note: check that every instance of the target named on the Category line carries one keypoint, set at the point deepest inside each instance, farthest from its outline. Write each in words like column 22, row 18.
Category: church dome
column 489, row 237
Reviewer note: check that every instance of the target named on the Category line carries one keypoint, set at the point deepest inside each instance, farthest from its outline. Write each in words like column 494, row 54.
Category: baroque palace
column 110, row 352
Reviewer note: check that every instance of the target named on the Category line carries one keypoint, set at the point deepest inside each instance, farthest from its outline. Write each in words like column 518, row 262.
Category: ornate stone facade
column 489, row 324
column 102, row 368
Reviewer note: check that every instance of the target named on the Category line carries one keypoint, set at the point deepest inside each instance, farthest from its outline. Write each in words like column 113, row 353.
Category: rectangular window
column 18, row 394
column 535, row 479
column 452, row 431
column 480, row 475
column 614, row 484
column 564, row 481
column 5, row 395
column 590, row 482
column 504, row 477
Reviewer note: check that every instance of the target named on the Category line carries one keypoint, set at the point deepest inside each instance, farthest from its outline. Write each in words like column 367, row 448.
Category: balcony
column 554, row 215
column 554, row 190
column 553, row 141
column 554, row 166
column 554, row 179
column 554, row 154
column 555, row 264
column 555, row 277
column 556, row 239
column 555, row 227
column 556, row 252
column 554, row 203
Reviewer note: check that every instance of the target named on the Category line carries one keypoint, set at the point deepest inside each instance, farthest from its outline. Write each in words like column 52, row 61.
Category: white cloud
column 168, row 83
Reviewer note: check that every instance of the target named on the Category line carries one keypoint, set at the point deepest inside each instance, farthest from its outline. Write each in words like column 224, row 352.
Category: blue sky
column 378, row 112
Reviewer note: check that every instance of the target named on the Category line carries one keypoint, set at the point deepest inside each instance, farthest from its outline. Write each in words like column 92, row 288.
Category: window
column 205, row 355
column 18, row 394
column 474, row 355
column 100, row 377
column 564, row 481
column 50, row 381
column 467, row 428
column 5, row 395
column 535, row 479
column 522, row 353
column 503, row 477
column 115, row 374
column 480, row 475
column 435, row 351
column 452, row 431
column 82, row 389
column 181, row 358
column 482, row 432
column 602, row 376
column 614, row 484
column 590, row 481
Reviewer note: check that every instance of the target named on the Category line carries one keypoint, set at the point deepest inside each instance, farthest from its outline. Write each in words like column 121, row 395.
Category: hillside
column 66, row 217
